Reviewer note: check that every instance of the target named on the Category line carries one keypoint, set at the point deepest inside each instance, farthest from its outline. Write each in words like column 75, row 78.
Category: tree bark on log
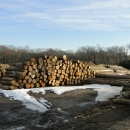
column 121, row 101
column 99, row 75
column 12, row 82
column 110, row 81
column 6, row 87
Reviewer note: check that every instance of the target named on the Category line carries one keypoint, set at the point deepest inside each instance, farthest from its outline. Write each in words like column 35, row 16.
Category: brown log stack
column 46, row 71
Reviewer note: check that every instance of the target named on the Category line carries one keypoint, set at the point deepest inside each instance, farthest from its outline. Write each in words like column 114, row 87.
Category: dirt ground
column 74, row 110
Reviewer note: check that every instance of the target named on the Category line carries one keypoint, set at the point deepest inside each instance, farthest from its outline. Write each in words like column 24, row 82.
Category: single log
column 109, row 81
column 34, row 81
column 121, row 101
column 42, row 83
column 40, row 61
column 24, row 81
column 27, row 85
column 99, row 75
column 37, row 75
column 64, row 57
column 29, row 73
column 33, row 59
column 25, row 67
column 15, row 74
column 27, row 63
column 33, row 76
column 26, row 77
column 32, row 85
column 6, row 87
column 29, row 80
column 13, row 68
column 34, row 66
column 30, row 68
column 125, row 89
column 45, row 56
column 12, row 82
column 8, row 79
column 21, row 85
column 32, row 63
column 20, row 81
column 17, row 84
column 37, row 85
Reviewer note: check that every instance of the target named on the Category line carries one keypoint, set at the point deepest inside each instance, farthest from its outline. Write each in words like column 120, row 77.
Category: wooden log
column 30, row 68
column 29, row 73
column 33, row 59
column 29, row 80
column 45, row 56
column 18, row 65
column 32, row 85
column 109, row 81
column 57, row 67
column 34, row 66
column 54, row 59
column 8, row 79
column 64, row 57
column 24, row 81
column 121, row 101
column 27, row 63
column 6, row 87
column 33, row 76
column 21, row 85
column 26, row 77
column 37, row 75
column 50, row 57
column 12, row 82
column 17, row 84
column 34, row 81
column 13, row 68
column 25, row 67
column 40, row 61
column 27, row 85
column 42, row 83
column 15, row 74
column 20, row 81
column 32, row 63
column 126, row 89
column 99, row 75
column 37, row 85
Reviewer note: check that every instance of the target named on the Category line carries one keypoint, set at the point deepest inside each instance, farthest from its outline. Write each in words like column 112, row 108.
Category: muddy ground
column 74, row 110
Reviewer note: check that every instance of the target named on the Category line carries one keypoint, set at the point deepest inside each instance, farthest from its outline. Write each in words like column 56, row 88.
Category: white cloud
column 84, row 14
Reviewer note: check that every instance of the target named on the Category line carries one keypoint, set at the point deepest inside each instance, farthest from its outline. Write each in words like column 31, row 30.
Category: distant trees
column 116, row 55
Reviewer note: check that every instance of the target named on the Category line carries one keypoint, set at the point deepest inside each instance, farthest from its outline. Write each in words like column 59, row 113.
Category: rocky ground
column 74, row 110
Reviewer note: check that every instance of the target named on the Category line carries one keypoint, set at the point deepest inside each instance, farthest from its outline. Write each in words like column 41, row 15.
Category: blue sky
column 64, row 24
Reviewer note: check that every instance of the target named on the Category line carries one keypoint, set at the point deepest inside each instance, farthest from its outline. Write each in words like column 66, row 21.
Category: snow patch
column 105, row 92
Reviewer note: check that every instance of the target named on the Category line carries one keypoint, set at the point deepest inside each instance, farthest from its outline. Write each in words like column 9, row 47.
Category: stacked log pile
column 109, row 70
column 112, row 75
column 46, row 71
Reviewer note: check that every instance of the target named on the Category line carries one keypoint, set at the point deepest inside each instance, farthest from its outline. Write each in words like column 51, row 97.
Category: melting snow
column 105, row 92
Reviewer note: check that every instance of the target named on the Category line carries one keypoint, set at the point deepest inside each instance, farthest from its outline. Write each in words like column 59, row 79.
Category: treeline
column 115, row 55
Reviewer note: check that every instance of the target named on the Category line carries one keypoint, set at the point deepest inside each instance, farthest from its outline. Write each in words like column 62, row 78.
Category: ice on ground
column 105, row 92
